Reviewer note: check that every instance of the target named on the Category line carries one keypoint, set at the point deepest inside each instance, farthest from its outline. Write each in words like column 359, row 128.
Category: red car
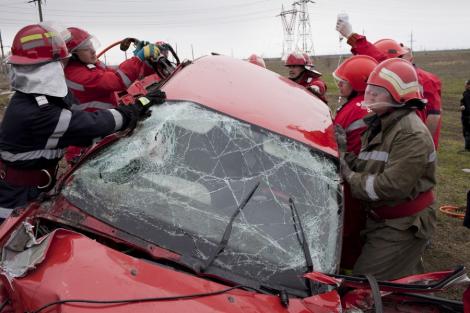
column 226, row 199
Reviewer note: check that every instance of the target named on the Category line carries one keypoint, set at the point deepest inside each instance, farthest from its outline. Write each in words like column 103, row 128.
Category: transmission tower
column 288, row 22
column 304, row 38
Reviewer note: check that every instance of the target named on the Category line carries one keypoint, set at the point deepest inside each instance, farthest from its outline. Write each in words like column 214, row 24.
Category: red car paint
column 78, row 267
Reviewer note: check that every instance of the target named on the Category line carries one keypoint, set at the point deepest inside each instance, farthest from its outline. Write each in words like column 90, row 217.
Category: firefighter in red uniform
column 39, row 123
column 394, row 174
column 301, row 71
column 93, row 83
column 351, row 77
column 388, row 48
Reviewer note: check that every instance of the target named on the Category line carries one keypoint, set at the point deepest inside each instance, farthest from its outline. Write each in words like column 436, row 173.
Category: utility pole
column 288, row 18
column 411, row 41
column 304, row 28
column 1, row 45
column 39, row 8
column 192, row 51
column 2, row 70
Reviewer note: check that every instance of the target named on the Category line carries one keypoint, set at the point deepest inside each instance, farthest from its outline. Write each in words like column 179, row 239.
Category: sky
column 242, row 27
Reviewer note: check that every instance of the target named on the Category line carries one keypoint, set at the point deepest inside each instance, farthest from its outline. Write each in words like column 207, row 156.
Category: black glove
column 130, row 115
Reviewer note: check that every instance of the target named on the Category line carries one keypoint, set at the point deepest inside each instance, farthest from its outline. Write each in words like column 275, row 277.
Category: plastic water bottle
column 342, row 17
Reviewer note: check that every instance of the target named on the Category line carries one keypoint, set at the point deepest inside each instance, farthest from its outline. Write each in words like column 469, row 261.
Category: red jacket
column 431, row 87
column 309, row 78
column 430, row 83
column 93, row 85
column 349, row 116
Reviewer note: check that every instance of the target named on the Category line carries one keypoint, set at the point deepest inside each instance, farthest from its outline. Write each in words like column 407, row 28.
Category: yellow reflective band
column 144, row 101
column 30, row 38
column 50, row 34
column 37, row 36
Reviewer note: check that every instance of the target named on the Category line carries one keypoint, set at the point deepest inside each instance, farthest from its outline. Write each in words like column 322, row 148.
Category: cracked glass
column 177, row 181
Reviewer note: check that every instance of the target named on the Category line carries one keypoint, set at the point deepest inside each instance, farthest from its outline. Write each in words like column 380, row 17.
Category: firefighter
column 92, row 83
column 257, row 60
column 301, row 71
column 465, row 115
column 394, row 174
column 351, row 78
column 38, row 122
column 384, row 49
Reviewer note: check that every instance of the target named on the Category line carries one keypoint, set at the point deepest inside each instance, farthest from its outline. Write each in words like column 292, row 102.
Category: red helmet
column 356, row 71
column 257, row 60
column 80, row 39
column 399, row 78
column 391, row 48
column 295, row 58
column 308, row 60
column 37, row 43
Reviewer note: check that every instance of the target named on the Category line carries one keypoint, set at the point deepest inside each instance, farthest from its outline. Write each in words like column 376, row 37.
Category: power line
column 39, row 8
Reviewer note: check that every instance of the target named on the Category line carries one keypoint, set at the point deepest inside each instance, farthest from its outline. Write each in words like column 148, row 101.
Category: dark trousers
column 466, row 131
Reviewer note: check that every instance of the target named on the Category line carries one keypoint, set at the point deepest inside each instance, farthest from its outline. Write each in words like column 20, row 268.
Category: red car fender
column 76, row 267
column 466, row 300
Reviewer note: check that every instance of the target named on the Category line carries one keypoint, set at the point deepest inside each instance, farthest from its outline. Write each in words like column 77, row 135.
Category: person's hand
column 314, row 89
column 341, row 139
column 148, row 52
column 462, row 108
column 344, row 28
column 154, row 97
column 345, row 170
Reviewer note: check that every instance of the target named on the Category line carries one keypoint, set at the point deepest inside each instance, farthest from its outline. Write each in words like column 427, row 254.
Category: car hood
column 68, row 265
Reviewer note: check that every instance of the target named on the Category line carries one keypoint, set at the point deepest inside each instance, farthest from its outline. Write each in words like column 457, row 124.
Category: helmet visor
column 57, row 35
column 91, row 43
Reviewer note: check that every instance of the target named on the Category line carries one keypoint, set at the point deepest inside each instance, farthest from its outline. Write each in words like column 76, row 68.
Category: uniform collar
column 379, row 125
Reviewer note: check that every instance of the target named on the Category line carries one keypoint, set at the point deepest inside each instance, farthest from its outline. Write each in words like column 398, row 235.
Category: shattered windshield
column 177, row 181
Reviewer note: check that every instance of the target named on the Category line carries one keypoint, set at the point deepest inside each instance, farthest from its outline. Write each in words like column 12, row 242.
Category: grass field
column 451, row 243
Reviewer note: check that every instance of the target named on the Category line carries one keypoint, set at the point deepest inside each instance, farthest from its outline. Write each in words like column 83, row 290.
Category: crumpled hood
column 68, row 265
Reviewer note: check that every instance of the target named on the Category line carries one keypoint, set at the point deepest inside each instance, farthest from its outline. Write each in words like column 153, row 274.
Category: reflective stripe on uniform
column 432, row 157
column 355, row 125
column 92, row 105
column 5, row 212
column 32, row 155
column 41, row 100
column 374, row 155
column 118, row 121
column 370, row 187
column 74, row 85
column 60, row 129
column 124, row 78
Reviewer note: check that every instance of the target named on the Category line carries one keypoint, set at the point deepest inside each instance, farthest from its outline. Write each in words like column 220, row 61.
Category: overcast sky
column 242, row 27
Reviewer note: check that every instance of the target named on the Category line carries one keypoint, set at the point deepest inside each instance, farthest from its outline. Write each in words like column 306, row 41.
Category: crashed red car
column 226, row 199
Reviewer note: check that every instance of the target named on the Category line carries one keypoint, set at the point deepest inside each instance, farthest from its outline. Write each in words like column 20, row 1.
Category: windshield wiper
column 228, row 230
column 299, row 231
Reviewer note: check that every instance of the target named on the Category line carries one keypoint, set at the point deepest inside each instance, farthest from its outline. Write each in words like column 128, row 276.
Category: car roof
column 255, row 95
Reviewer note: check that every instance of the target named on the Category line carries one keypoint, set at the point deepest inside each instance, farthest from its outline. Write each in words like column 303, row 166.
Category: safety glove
column 139, row 45
column 345, row 170
column 341, row 139
column 148, row 52
column 134, row 112
column 344, row 28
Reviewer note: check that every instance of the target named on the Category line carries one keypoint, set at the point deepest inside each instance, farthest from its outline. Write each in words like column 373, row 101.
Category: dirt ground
column 451, row 243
